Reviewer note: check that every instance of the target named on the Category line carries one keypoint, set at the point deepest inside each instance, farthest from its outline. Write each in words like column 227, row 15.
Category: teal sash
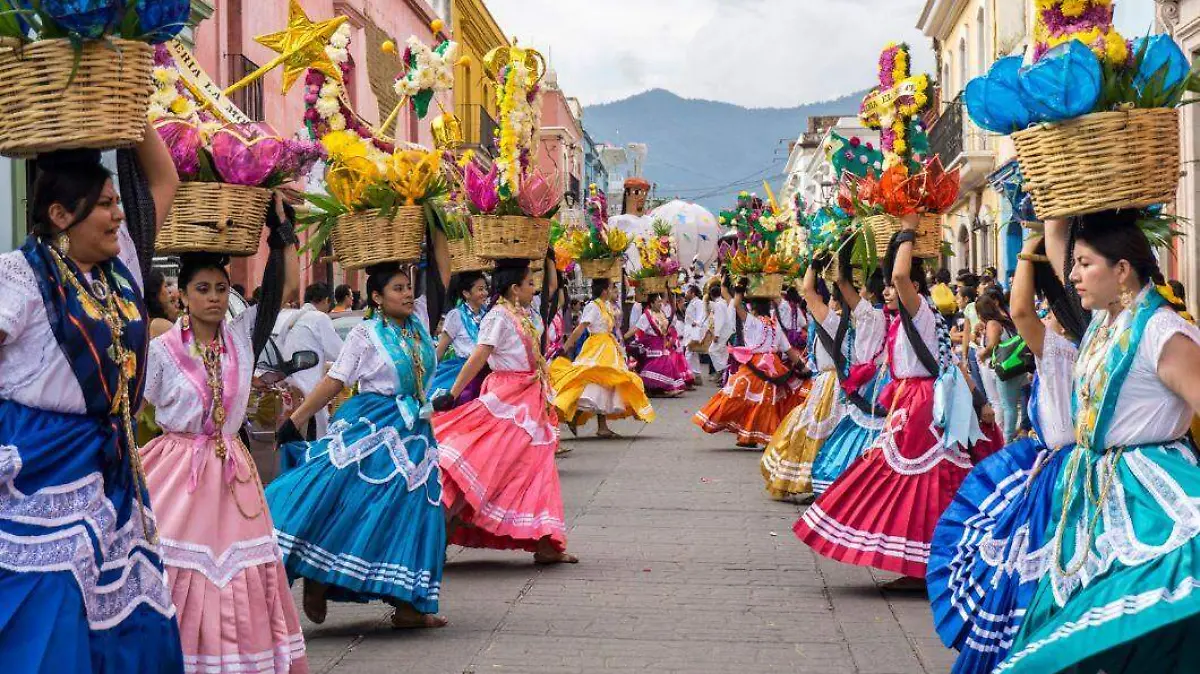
column 1089, row 432
column 400, row 350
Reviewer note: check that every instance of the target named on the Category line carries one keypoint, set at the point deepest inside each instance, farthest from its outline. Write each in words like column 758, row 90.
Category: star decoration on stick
column 302, row 45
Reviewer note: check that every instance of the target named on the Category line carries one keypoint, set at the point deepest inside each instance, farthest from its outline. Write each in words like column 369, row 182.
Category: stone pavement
column 686, row 567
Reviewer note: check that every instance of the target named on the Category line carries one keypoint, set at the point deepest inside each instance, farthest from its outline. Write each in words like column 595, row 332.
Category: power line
column 757, row 175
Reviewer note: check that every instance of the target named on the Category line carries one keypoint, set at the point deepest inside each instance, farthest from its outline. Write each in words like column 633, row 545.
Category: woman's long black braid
column 1062, row 298
column 271, row 300
column 139, row 207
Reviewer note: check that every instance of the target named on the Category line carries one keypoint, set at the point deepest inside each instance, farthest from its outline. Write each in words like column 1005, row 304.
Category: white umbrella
column 695, row 228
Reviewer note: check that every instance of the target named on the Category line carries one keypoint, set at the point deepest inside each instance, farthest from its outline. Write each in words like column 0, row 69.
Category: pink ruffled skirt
column 224, row 567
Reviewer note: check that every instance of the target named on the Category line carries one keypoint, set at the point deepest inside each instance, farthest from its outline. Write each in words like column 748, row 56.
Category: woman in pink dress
column 500, row 484
column 660, row 362
column 224, row 567
column 882, row 511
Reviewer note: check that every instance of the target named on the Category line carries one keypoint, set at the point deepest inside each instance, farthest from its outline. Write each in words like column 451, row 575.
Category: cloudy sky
column 757, row 53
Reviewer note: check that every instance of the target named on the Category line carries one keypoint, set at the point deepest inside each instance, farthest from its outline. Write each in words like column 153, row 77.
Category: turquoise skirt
column 1121, row 594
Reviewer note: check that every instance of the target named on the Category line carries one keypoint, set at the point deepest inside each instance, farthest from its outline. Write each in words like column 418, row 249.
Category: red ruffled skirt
column 751, row 406
column 882, row 511
column 498, row 470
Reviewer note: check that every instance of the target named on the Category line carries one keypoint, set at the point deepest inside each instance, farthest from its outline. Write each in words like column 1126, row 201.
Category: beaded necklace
column 101, row 301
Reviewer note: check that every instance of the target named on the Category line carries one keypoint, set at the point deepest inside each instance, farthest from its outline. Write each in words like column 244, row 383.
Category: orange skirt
column 751, row 406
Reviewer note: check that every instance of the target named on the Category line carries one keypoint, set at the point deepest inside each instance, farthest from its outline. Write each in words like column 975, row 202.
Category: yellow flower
column 1073, row 8
column 1116, row 49
column 180, row 106
column 899, row 146
column 344, row 145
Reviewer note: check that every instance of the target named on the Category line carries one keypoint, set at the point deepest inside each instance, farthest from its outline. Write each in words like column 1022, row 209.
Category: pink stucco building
column 560, row 143
column 225, row 46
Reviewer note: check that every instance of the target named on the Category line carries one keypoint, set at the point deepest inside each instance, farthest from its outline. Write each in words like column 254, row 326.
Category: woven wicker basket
column 216, row 218
column 653, row 285
column 929, row 234
column 463, row 257
column 511, row 237
column 103, row 108
column 765, row 286
column 833, row 272
column 537, row 269
column 1101, row 161
column 364, row 239
column 609, row 268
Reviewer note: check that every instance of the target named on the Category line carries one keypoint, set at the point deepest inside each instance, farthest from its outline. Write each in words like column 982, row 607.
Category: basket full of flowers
column 375, row 210
column 598, row 248
column 77, row 74
column 227, row 169
column 1094, row 117
column 659, row 258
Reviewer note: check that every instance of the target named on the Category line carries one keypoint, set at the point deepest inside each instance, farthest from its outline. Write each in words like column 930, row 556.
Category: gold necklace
column 110, row 312
column 211, row 356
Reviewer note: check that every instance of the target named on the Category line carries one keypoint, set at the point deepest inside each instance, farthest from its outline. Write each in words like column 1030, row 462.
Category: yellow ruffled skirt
column 599, row 382
column 787, row 463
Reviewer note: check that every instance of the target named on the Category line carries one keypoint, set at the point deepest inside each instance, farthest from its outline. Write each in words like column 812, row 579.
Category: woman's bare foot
column 549, row 558
column 406, row 617
column 905, row 584
column 315, row 605
column 602, row 429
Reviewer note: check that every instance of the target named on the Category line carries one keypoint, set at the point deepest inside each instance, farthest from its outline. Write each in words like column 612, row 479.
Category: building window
column 250, row 98
column 981, row 38
column 962, row 64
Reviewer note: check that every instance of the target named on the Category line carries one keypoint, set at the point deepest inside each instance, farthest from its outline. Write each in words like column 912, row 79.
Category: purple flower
column 483, row 189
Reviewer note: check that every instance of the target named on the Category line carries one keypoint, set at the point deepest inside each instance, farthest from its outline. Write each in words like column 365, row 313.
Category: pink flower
column 247, row 154
column 184, row 141
column 538, row 195
column 482, row 189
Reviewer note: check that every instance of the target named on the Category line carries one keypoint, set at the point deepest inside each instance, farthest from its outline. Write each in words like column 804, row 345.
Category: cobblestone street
column 686, row 567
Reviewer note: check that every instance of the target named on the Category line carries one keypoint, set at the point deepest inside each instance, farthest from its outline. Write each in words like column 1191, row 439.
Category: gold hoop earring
column 63, row 243
column 185, row 320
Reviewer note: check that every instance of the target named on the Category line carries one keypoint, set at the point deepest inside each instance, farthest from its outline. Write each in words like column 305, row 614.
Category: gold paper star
column 302, row 45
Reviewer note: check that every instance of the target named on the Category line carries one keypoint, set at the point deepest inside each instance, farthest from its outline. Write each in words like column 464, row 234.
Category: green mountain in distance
column 706, row 151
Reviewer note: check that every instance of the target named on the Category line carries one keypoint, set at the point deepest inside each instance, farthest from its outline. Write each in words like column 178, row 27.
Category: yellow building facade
column 477, row 33
column 968, row 37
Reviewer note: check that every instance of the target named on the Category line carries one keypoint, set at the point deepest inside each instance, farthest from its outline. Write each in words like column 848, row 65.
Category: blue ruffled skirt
column 990, row 549
column 81, row 589
column 360, row 509
column 850, row 438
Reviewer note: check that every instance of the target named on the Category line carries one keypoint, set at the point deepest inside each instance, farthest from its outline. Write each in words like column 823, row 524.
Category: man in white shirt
column 310, row 328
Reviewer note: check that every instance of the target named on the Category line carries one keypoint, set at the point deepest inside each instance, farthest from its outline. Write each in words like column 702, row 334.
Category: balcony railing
column 947, row 136
column 249, row 99
column 478, row 127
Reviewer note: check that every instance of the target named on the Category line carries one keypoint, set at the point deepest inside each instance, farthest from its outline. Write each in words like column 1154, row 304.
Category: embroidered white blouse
column 508, row 348
column 832, row 323
column 456, row 330
column 792, row 319
column 870, row 330
column 1054, row 370
column 905, row 363
column 33, row 370
column 1147, row 412
column 364, row 361
column 761, row 339
column 178, row 403
column 595, row 320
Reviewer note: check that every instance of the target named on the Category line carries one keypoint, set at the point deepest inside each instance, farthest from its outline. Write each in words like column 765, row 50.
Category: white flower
column 339, row 40
column 444, row 82
column 330, row 89
column 327, row 107
column 337, row 122
column 156, row 112
column 337, row 55
column 450, row 52
column 406, row 87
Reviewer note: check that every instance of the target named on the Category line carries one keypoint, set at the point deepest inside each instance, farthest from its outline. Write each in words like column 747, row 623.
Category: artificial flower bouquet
column 598, row 248
column 375, row 208
column 765, row 270
column 227, row 169
column 659, row 258
column 76, row 73
column 756, row 223
column 512, row 202
column 878, row 203
column 1093, row 116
